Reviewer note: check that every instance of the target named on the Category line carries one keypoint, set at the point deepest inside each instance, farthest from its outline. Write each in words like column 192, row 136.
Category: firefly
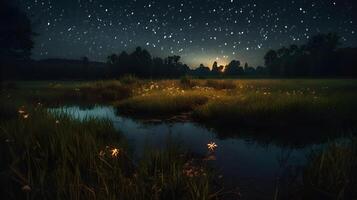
column 212, row 146
column 115, row 152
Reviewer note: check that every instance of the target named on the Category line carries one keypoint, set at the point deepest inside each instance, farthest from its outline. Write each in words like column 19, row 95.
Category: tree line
column 320, row 56
column 142, row 64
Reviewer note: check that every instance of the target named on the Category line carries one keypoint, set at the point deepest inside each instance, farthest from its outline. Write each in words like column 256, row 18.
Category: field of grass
column 54, row 93
column 250, row 104
column 53, row 156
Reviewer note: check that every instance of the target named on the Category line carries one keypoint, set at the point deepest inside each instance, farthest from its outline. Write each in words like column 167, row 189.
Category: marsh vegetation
column 55, row 155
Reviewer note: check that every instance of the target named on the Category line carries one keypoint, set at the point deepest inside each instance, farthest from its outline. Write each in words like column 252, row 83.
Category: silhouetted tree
column 234, row 68
column 320, row 56
column 245, row 66
column 270, row 60
column 221, row 68
column 248, row 70
column 321, row 48
column 201, row 71
column 261, row 70
column 112, row 59
column 215, row 69
column 15, row 33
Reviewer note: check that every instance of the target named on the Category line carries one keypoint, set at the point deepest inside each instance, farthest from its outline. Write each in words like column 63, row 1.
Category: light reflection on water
column 242, row 162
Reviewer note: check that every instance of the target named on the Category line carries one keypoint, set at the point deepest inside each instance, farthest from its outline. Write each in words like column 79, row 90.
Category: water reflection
column 242, row 162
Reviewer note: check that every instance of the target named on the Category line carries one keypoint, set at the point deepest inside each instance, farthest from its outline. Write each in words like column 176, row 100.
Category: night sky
column 200, row 31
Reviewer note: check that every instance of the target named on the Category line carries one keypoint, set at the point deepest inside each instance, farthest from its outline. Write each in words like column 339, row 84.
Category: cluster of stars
column 195, row 30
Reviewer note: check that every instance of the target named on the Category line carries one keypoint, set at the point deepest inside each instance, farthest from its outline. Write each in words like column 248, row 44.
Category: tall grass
column 279, row 110
column 161, row 104
column 53, row 156
column 331, row 174
column 263, row 103
column 53, row 93
column 221, row 84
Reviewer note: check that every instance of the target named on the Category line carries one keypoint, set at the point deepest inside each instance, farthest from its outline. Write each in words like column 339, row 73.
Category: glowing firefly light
column 212, row 146
column 115, row 152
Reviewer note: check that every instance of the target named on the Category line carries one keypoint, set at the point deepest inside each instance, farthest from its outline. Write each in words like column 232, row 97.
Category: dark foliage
column 15, row 33
column 141, row 64
column 318, row 57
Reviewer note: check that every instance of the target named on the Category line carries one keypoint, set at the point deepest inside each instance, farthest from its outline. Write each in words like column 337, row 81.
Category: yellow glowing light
column 212, row 146
column 115, row 152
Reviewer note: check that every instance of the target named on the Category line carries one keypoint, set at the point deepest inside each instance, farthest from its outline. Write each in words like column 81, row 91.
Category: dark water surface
column 251, row 166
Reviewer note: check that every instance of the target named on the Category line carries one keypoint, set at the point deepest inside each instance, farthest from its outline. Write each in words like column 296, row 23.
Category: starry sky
column 200, row 31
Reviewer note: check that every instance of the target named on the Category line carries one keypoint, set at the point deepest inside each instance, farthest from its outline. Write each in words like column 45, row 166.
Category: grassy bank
column 251, row 104
column 254, row 104
column 52, row 156
column 69, row 92
column 162, row 104
column 280, row 111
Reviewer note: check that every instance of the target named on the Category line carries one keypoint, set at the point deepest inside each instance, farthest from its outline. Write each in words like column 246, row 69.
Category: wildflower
column 26, row 188
column 191, row 170
column 102, row 153
column 21, row 111
column 212, row 146
column 57, row 121
column 115, row 152
column 26, row 116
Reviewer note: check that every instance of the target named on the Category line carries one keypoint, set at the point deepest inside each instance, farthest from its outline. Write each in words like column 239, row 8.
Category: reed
column 53, row 156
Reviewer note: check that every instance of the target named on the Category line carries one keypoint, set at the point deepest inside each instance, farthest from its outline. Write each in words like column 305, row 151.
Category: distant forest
column 319, row 57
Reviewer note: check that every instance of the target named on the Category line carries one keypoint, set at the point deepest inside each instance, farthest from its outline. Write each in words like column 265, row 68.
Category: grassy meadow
column 54, row 156
column 250, row 104
column 293, row 109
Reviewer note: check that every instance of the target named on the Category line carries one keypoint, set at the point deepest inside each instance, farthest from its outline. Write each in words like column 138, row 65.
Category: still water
column 244, row 163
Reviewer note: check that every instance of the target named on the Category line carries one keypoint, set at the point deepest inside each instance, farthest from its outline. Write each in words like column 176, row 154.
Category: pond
column 249, row 165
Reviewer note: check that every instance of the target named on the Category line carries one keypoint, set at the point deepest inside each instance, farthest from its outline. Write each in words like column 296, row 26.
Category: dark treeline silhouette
column 233, row 69
column 141, row 64
column 320, row 56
